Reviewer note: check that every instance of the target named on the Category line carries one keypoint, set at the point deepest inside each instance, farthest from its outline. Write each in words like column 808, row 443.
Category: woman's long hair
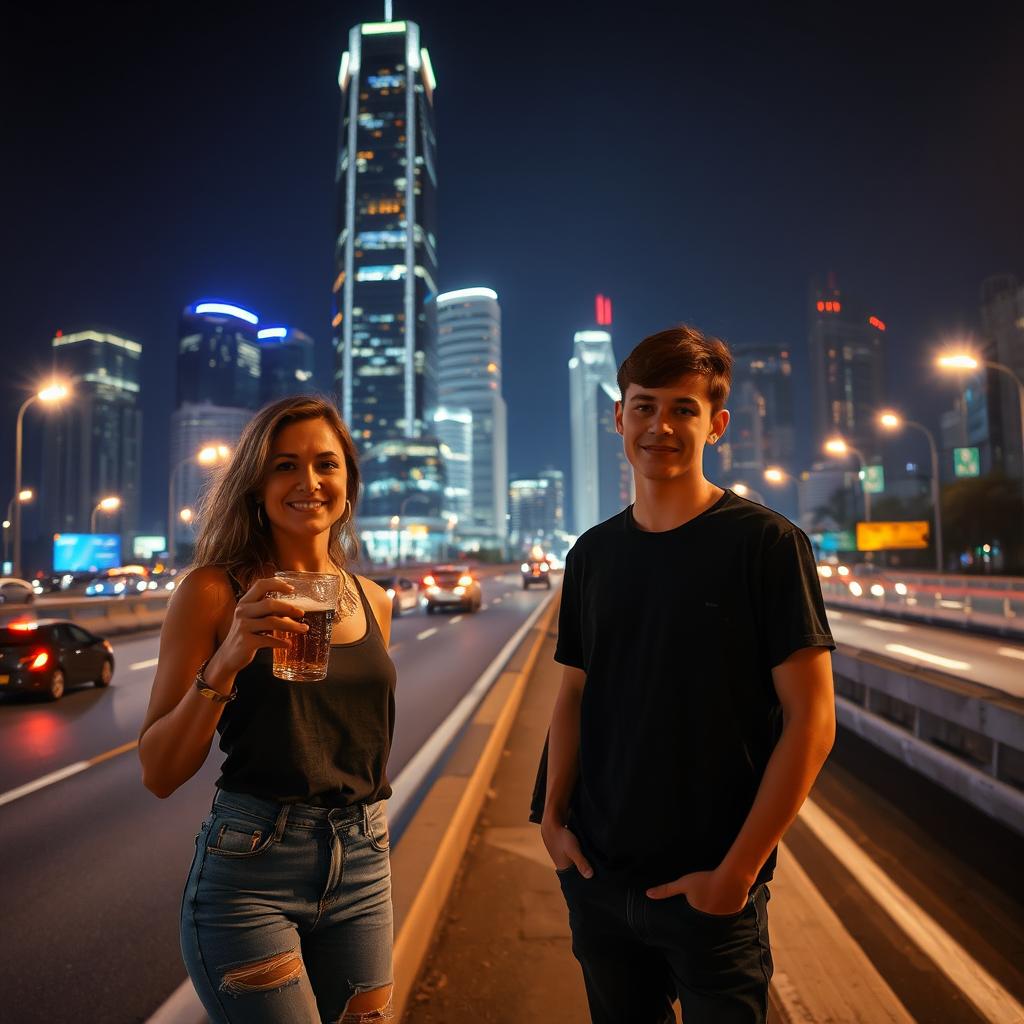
column 231, row 533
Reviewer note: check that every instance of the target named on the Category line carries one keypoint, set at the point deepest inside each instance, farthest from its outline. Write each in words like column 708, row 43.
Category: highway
column 991, row 662
column 94, row 864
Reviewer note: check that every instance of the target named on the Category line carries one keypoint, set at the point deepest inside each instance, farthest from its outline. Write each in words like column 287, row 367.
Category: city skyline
column 730, row 290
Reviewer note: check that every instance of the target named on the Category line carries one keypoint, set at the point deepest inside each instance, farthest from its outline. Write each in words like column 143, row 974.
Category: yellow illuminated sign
column 890, row 536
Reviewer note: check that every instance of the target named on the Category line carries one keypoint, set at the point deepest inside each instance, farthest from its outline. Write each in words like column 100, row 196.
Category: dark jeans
column 639, row 954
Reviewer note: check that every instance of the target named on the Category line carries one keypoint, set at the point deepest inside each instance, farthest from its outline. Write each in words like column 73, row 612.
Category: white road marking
column 426, row 633
column 1011, row 652
column 889, row 627
column 931, row 659
column 992, row 1000
column 64, row 773
column 452, row 621
column 497, row 600
column 46, row 780
column 148, row 663
column 833, row 614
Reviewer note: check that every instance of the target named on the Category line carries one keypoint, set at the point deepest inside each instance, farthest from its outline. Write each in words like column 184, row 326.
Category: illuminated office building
column 1002, row 323
column 385, row 243
column 469, row 375
column 536, row 511
column 403, row 511
column 602, row 484
column 847, row 369
column 92, row 445
column 286, row 363
column 454, row 431
column 218, row 390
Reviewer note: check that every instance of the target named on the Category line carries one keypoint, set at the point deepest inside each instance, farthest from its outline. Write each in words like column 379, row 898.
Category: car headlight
column 465, row 581
column 544, row 567
column 391, row 593
column 459, row 590
column 855, row 588
column 169, row 585
column 877, row 590
column 140, row 586
column 118, row 588
column 525, row 567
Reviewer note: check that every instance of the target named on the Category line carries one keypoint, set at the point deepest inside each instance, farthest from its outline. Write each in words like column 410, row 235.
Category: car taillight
column 36, row 660
column 429, row 581
column 465, row 581
column 108, row 646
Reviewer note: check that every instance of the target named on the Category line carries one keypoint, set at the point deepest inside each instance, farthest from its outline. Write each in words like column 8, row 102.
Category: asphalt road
column 94, row 864
column 981, row 659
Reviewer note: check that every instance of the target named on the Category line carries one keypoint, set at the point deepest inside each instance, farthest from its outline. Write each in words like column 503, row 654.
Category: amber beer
column 305, row 658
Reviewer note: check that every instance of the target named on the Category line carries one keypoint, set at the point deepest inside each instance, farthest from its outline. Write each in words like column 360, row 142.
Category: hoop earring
column 259, row 515
column 345, row 519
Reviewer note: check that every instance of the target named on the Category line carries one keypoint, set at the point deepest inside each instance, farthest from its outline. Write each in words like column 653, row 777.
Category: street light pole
column 209, row 455
column 16, row 557
column 936, row 496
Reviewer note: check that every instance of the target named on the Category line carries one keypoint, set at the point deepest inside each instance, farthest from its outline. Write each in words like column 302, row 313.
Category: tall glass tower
column 601, row 479
column 385, row 244
column 469, row 376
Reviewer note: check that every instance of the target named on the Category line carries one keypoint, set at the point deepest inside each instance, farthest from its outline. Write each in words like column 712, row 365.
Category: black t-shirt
column 678, row 632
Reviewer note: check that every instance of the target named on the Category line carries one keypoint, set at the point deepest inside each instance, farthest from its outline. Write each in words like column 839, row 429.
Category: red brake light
column 36, row 660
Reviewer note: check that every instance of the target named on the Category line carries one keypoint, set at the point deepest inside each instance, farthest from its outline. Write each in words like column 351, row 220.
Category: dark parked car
column 401, row 591
column 50, row 655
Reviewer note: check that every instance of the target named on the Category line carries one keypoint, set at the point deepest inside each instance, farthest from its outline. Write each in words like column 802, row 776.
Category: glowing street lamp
column 185, row 515
column 892, row 421
column 26, row 494
column 839, row 448
column 209, row 455
column 108, row 505
column 53, row 394
column 775, row 475
column 965, row 361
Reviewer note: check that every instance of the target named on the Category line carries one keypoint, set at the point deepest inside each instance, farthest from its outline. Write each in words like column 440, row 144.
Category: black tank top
column 324, row 743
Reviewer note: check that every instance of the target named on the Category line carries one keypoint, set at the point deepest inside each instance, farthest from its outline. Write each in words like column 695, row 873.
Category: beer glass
column 304, row 660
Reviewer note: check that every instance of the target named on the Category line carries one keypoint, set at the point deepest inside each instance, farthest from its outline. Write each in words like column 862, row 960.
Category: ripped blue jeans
column 287, row 913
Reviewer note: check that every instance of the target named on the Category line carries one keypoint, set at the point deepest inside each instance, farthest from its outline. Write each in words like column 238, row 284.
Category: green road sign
column 966, row 462
column 872, row 479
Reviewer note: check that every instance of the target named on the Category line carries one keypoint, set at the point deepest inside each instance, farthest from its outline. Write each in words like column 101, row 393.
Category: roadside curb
column 425, row 863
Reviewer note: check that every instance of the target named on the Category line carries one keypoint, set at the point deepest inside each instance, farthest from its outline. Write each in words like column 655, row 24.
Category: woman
column 286, row 915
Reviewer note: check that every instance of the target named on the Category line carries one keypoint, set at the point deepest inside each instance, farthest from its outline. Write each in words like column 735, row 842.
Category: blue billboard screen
column 85, row 552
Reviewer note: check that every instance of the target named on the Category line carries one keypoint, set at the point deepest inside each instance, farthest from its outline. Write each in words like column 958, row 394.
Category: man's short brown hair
column 678, row 352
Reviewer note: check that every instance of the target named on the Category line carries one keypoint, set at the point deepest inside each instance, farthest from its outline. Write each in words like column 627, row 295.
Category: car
column 451, row 586
column 125, row 580
column 15, row 591
column 402, row 592
column 49, row 655
column 536, row 571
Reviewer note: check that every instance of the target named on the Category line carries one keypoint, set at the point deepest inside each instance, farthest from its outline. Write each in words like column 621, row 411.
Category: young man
column 696, row 710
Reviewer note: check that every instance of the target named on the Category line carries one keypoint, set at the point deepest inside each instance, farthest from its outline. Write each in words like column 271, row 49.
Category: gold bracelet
column 208, row 692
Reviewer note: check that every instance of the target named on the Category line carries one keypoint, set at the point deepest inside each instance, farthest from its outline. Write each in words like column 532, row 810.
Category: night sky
column 695, row 165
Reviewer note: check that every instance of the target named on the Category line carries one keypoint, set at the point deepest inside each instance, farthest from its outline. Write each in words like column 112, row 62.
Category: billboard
column 86, row 552
column 835, row 540
column 148, row 546
column 892, row 536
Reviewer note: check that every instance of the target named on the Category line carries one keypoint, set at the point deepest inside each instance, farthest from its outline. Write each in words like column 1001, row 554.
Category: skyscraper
column 601, row 478
column 454, row 430
column 92, row 449
column 535, row 511
column 218, row 390
column 286, row 363
column 847, row 382
column 1002, row 323
column 386, row 244
column 469, row 376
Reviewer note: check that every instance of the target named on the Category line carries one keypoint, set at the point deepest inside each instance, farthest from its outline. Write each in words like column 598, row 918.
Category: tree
column 985, row 510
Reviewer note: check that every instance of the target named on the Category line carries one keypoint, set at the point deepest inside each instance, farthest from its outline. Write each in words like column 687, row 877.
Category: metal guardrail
column 106, row 616
column 983, row 605
column 966, row 737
